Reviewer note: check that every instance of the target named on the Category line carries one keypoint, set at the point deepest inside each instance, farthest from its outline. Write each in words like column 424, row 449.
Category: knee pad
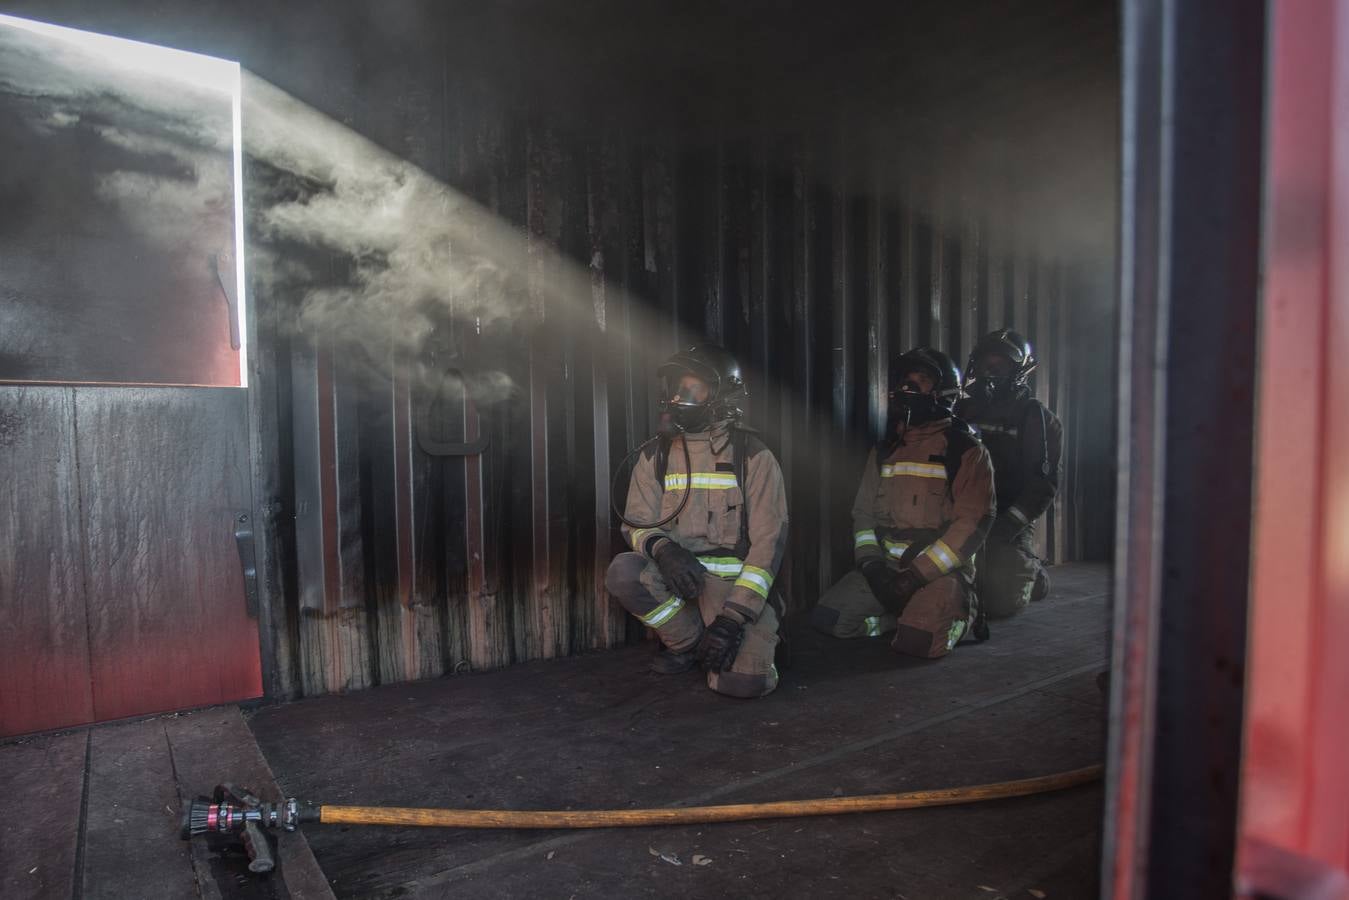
column 624, row 576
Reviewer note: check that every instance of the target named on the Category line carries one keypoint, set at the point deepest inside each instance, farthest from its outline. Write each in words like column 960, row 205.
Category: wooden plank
column 44, row 651
column 131, row 842
column 216, row 745
column 164, row 477
column 41, row 791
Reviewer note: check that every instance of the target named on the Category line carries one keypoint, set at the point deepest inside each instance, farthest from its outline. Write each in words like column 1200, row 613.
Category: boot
column 1040, row 590
column 668, row 662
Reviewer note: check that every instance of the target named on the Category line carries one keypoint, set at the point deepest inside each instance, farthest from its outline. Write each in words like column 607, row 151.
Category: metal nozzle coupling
column 236, row 811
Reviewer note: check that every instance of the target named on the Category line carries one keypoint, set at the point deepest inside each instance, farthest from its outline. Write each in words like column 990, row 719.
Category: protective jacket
column 735, row 520
column 911, row 509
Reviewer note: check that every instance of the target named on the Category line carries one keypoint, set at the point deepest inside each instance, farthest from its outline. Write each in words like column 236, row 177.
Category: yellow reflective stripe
column 639, row 537
column 756, row 579
column 942, row 556
column 663, row 613
column 999, row 429
column 866, row 538
column 896, row 548
column 914, row 469
column 721, row 565
column 711, row 481
column 873, row 624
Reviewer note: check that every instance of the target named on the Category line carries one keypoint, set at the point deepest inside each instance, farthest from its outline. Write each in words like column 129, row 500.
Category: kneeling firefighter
column 1025, row 441
column 706, row 518
column 921, row 513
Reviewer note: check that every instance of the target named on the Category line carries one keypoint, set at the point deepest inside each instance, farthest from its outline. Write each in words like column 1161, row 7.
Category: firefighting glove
column 680, row 569
column 892, row 589
column 1006, row 528
column 720, row 643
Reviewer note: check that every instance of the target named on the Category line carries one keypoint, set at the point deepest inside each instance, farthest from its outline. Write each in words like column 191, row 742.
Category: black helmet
column 1006, row 343
column 910, row 406
column 713, row 365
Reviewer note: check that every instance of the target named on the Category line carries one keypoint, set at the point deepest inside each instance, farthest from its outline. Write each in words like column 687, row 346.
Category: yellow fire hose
column 690, row 815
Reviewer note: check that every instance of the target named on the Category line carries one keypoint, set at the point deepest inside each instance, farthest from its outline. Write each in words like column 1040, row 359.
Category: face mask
column 684, row 413
column 991, row 388
column 908, row 406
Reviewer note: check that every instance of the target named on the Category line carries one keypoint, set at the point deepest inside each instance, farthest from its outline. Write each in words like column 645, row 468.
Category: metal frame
column 1192, row 142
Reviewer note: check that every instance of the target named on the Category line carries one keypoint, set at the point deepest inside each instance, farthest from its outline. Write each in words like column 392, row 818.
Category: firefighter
column 706, row 518
column 921, row 513
column 1025, row 440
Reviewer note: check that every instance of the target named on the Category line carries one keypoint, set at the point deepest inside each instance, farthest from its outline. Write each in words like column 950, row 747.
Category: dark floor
column 598, row 732
column 94, row 813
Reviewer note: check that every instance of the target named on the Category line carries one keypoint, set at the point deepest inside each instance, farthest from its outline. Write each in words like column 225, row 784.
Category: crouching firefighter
column 921, row 513
column 706, row 517
column 1025, row 441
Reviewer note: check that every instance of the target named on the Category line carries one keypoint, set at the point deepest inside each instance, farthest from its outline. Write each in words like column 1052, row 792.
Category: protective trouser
column 932, row 623
column 1010, row 574
column 636, row 584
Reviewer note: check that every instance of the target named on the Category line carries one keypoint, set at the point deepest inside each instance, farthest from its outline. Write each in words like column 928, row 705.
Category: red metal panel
column 1295, row 784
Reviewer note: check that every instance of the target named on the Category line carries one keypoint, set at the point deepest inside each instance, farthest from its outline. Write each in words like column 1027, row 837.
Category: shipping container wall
column 474, row 230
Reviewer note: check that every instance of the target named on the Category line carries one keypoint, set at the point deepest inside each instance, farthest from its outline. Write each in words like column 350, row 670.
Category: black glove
column 720, row 643
column 681, row 570
column 1006, row 528
column 892, row 589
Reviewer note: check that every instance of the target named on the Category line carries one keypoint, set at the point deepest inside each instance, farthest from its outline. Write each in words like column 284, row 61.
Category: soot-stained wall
column 492, row 220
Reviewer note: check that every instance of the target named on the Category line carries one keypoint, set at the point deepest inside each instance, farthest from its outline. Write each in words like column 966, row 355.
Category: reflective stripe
column 866, row 538
column 942, row 556
column 953, row 635
column 663, row 613
column 1018, row 515
column 914, row 469
column 710, row 481
column 756, row 579
column 873, row 624
column 640, row 536
column 722, row 565
column 896, row 548
column 1009, row 430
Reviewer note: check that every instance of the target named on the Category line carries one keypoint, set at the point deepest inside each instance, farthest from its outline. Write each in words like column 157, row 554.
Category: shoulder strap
column 740, row 439
column 960, row 439
column 662, row 452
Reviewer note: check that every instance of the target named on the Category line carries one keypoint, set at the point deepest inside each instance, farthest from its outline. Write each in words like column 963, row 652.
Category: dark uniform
column 1025, row 441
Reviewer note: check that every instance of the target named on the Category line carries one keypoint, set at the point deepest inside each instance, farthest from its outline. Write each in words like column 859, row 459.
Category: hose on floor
column 690, row 815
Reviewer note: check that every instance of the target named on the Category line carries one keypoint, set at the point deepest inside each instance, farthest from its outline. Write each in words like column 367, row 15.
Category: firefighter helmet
column 911, row 405
column 1010, row 345
column 719, row 370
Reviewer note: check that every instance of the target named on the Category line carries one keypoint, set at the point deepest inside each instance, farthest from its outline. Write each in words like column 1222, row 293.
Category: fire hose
column 237, row 812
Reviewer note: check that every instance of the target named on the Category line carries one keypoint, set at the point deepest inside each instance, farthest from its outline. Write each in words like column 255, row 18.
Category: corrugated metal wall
column 814, row 185
column 413, row 565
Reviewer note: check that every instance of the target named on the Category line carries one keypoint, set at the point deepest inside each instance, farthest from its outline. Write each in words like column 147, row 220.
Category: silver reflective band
column 663, row 613
column 1018, row 515
column 722, row 565
column 712, row 481
column 942, row 556
column 865, row 538
column 896, row 548
column 914, row 469
column 873, row 624
column 756, row 579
